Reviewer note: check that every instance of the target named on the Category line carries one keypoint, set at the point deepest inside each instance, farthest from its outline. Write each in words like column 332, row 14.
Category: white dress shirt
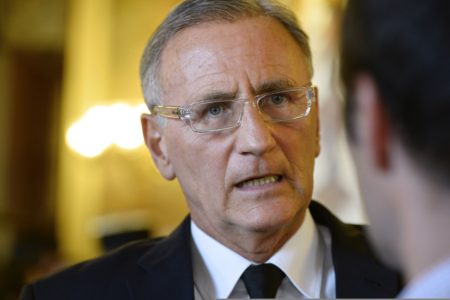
column 433, row 284
column 305, row 259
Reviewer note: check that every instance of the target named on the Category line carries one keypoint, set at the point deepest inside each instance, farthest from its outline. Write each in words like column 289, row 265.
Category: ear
column 156, row 143
column 373, row 126
column 316, row 104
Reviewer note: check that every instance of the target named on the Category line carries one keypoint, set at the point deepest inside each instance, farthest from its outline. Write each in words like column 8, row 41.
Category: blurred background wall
column 75, row 179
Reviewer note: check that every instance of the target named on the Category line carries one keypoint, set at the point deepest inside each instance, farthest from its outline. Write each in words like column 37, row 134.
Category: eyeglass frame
column 183, row 112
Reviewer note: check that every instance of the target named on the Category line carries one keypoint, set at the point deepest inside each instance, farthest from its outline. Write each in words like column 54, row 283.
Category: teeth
column 259, row 181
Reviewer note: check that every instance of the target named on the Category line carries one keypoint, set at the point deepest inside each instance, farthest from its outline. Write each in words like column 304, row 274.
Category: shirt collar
column 224, row 265
column 301, row 259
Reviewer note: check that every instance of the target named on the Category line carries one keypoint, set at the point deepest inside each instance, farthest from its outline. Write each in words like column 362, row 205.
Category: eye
column 277, row 99
column 215, row 109
column 210, row 110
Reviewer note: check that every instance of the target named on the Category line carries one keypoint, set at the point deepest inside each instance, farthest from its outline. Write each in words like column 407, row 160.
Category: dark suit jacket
column 162, row 269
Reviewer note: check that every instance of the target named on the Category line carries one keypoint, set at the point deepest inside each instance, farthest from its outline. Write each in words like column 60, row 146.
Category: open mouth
column 259, row 181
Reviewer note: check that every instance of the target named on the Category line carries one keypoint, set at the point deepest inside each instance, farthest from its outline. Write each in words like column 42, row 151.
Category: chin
column 272, row 219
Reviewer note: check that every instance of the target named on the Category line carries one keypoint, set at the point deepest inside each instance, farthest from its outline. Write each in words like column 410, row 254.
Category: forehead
column 239, row 57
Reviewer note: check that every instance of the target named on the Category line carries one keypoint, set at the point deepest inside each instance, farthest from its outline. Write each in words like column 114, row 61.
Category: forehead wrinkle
column 196, row 62
column 177, row 75
column 214, row 88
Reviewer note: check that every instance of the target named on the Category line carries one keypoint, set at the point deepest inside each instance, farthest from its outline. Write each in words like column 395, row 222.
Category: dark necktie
column 262, row 281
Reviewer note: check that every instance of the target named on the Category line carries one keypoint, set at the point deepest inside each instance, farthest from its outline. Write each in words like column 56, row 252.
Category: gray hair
column 194, row 12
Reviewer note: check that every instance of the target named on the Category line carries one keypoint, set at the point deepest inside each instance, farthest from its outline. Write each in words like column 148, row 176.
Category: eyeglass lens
column 277, row 107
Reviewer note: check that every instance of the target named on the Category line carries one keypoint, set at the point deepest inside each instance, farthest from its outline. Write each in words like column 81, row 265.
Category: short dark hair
column 194, row 12
column 404, row 45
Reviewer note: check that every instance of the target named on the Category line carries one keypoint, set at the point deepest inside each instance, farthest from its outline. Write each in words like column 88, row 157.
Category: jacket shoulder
column 92, row 278
column 359, row 273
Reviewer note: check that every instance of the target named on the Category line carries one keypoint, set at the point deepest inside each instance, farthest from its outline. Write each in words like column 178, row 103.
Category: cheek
column 365, row 175
column 199, row 165
column 300, row 148
column 378, row 202
column 382, row 228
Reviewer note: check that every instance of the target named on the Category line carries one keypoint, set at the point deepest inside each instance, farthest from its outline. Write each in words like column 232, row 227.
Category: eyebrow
column 265, row 87
column 217, row 96
column 274, row 85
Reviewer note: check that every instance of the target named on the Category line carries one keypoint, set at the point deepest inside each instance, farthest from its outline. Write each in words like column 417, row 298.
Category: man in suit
column 396, row 70
column 234, row 117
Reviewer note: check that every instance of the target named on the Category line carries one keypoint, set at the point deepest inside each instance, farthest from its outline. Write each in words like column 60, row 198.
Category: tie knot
column 262, row 281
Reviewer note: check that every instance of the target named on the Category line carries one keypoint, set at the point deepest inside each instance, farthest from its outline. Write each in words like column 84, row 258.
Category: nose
column 254, row 136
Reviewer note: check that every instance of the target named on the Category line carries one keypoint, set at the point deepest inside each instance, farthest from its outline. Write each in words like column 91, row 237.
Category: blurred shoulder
column 93, row 278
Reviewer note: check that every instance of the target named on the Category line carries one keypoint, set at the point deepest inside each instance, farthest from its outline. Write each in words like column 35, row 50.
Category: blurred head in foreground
column 396, row 73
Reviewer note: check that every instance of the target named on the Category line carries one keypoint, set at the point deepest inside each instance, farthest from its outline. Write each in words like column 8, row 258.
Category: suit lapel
column 358, row 272
column 165, row 271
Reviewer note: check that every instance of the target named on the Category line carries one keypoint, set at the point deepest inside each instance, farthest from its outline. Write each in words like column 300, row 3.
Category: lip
column 259, row 181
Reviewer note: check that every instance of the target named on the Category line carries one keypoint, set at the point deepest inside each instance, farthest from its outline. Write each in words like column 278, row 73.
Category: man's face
column 377, row 180
column 243, row 59
column 379, row 205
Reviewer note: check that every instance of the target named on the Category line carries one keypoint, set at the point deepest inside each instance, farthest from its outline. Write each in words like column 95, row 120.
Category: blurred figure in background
column 396, row 71
column 234, row 117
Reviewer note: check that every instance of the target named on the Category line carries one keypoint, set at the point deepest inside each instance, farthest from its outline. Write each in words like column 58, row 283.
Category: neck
column 255, row 245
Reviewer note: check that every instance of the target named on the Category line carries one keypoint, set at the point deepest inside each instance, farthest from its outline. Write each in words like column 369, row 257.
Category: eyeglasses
column 213, row 116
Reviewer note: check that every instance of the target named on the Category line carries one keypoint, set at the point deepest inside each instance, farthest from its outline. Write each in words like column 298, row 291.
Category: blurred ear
column 316, row 104
column 156, row 143
column 373, row 126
